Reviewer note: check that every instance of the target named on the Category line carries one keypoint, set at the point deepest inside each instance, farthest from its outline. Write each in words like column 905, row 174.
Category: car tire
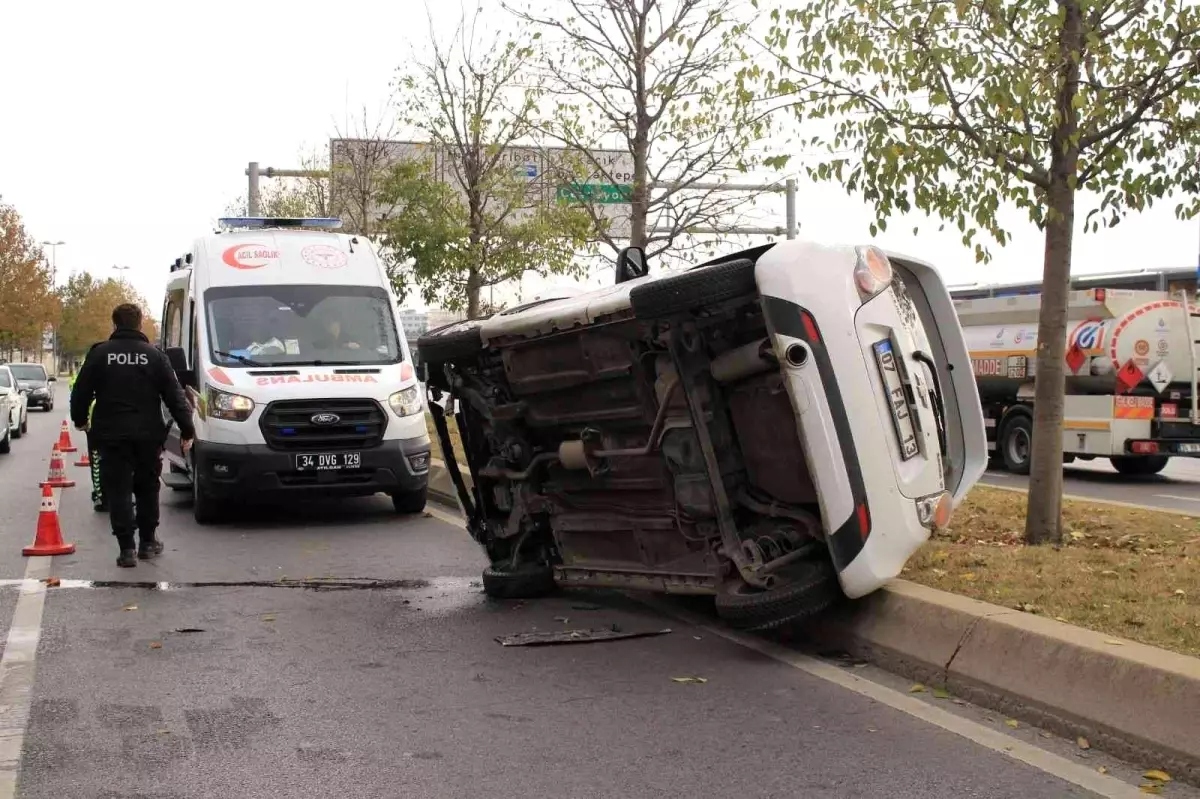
column 811, row 588
column 49, row 407
column 527, row 581
column 1140, row 466
column 407, row 502
column 25, row 424
column 205, row 509
column 696, row 288
column 1016, row 444
column 6, row 443
column 450, row 342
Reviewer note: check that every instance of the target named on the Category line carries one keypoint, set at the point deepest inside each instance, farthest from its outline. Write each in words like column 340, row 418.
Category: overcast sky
column 126, row 128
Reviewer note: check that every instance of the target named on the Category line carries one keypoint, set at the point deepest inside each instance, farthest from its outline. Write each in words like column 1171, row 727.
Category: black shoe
column 150, row 549
column 127, row 559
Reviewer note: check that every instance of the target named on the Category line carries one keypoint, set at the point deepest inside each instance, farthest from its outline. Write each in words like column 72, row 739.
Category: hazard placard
column 1129, row 376
column 1075, row 356
column 1160, row 376
column 1133, row 407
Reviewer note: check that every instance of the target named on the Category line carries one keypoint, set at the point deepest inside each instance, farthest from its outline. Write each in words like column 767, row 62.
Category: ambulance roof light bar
column 259, row 222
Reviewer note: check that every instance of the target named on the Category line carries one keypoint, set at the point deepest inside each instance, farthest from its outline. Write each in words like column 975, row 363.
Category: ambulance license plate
column 328, row 461
column 893, row 390
column 1189, row 448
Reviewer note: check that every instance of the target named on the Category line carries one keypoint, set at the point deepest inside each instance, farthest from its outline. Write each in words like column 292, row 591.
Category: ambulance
column 286, row 337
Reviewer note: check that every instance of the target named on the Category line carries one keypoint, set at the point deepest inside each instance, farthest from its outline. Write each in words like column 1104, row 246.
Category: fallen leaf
column 52, row 582
column 1059, row 618
column 968, row 577
column 872, row 729
column 699, row 680
column 1158, row 775
column 269, row 617
column 858, row 666
column 1180, row 592
column 941, row 693
column 129, row 607
column 1077, row 536
column 1027, row 607
column 1044, row 734
column 156, row 645
column 1084, row 743
column 1108, row 573
column 164, row 732
column 959, row 701
column 1114, row 642
column 1103, row 769
column 1013, row 723
column 940, row 572
column 1150, row 787
column 917, row 689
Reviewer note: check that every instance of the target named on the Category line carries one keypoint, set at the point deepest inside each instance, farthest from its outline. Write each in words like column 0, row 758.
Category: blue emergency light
column 328, row 223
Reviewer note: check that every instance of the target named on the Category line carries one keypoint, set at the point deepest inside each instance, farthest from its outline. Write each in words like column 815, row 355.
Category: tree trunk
column 1043, row 520
column 473, row 289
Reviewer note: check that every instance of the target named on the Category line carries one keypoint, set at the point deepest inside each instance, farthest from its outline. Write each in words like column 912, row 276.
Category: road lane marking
column 1052, row 764
column 1176, row 496
column 17, row 672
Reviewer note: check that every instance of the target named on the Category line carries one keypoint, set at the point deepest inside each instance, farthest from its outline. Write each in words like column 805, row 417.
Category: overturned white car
column 761, row 428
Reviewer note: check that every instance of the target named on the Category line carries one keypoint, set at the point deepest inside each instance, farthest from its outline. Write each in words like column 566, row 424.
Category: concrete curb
column 1097, row 501
column 1135, row 701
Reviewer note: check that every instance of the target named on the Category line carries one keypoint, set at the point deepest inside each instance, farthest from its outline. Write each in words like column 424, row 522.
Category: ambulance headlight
column 232, row 407
column 406, row 402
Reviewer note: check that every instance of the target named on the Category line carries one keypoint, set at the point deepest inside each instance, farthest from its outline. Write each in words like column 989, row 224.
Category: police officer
column 128, row 377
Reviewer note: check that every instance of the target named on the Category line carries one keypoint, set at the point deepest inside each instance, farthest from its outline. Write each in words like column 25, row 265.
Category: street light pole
column 54, row 245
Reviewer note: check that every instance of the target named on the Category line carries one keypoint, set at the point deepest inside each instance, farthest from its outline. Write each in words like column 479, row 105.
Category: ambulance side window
column 173, row 323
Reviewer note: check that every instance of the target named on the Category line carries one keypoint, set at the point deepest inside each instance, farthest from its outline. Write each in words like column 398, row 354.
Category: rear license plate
column 893, row 389
column 328, row 461
column 1189, row 448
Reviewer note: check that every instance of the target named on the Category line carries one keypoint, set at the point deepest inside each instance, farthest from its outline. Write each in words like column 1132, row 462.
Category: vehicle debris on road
column 551, row 638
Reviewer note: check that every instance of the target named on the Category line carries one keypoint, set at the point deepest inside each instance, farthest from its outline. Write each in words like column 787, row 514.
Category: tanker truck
column 1131, row 376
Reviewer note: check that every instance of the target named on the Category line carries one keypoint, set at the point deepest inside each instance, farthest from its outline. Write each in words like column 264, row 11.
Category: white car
column 18, row 403
column 773, row 428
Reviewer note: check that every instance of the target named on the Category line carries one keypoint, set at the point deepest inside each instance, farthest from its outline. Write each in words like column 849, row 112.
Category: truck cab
column 286, row 337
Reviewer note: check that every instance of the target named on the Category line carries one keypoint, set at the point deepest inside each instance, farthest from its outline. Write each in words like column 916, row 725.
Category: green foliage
column 954, row 105
column 466, row 217
column 87, row 305
column 27, row 301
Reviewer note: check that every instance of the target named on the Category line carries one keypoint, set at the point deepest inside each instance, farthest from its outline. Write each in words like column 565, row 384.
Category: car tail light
column 1145, row 447
column 873, row 272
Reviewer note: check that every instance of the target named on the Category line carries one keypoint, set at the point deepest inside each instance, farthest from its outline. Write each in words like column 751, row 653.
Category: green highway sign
column 599, row 193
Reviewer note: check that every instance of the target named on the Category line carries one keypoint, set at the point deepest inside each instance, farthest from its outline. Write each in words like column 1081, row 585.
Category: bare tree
column 655, row 77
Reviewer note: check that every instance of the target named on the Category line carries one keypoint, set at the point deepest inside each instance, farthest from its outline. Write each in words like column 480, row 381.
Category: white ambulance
column 286, row 337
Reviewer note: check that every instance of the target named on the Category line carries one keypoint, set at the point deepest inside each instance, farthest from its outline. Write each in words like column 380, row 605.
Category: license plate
column 1189, row 448
column 893, row 389
column 328, row 461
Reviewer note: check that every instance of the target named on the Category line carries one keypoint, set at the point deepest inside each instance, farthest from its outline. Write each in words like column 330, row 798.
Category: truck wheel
column 1142, row 466
column 526, row 581
column 409, row 501
column 448, row 342
column 1016, row 444
column 693, row 289
column 810, row 589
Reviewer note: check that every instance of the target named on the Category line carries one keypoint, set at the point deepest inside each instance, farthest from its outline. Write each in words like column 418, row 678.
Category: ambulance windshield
column 319, row 325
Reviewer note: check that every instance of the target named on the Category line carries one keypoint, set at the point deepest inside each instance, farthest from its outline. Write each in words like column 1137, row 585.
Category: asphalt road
column 1177, row 487
column 204, row 682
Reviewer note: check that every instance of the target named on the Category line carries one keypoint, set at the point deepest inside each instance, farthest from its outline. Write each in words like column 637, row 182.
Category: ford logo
column 325, row 419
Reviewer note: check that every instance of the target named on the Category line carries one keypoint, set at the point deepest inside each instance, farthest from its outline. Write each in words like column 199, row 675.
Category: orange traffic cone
column 58, row 473
column 83, row 460
column 64, row 439
column 48, row 540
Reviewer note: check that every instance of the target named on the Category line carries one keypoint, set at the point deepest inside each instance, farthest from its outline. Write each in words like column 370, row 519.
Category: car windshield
column 252, row 326
column 29, row 373
column 5, row 380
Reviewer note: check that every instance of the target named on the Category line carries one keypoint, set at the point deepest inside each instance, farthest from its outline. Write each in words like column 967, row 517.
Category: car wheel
column 448, row 342
column 25, row 423
column 1016, row 444
column 1143, row 466
column 49, row 407
column 526, row 581
column 811, row 587
column 410, row 501
column 16, row 432
column 205, row 509
column 696, row 288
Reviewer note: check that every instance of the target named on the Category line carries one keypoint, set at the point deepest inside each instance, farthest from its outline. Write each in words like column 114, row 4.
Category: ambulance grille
column 289, row 425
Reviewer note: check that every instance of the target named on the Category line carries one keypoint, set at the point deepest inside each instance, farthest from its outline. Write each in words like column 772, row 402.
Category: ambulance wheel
column 204, row 507
column 409, row 501
column 1142, row 466
column 693, row 289
column 1016, row 444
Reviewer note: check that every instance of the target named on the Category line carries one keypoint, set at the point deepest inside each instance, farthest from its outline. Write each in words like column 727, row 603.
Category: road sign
column 1160, row 376
column 554, row 174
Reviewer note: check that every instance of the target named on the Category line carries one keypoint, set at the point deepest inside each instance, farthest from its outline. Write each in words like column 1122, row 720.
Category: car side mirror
column 178, row 359
column 631, row 264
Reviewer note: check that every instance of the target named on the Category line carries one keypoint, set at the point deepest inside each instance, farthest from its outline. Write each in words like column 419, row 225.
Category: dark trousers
column 131, row 469
column 94, row 460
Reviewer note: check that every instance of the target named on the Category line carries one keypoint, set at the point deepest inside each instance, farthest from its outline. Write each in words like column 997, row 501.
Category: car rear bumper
column 227, row 471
